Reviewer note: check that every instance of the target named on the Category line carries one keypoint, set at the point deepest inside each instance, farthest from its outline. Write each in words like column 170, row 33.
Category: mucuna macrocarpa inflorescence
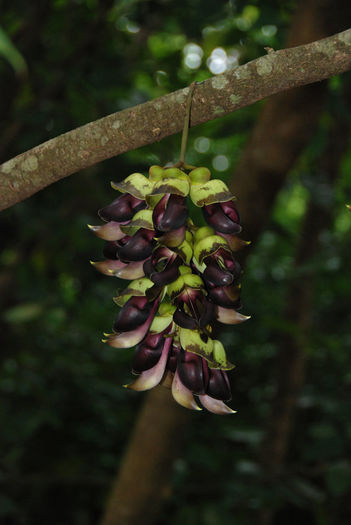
column 184, row 280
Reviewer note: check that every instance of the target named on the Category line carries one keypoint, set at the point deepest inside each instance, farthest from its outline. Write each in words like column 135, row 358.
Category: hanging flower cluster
column 183, row 280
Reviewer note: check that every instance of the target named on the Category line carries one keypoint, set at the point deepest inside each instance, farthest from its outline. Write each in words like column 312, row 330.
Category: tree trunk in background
column 283, row 129
column 144, row 479
column 292, row 356
column 285, row 123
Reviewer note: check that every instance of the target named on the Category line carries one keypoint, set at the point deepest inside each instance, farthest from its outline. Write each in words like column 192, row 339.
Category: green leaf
column 185, row 251
column 175, row 288
column 160, row 323
column 208, row 246
column 193, row 281
column 170, row 185
column 186, row 280
column 156, row 173
column 163, row 318
column 135, row 288
column 201, row 233
column 142, row 219
column 200, row 175
column 220, row 357
column 210, row 192
column 192, row 342
column 136, row 184
column 175, row 173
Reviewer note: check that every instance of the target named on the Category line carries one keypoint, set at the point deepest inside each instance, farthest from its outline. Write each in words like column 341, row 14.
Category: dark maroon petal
column 227, row 296
column 162, row 267
column 162, row 253
column 225, row 260
column 184, row 320
column 191, row 373
column 160, row 209
column 111, row 248
column 217, row 276
column 170, row 213
column 122, row 209
column 147, row 353
column 173, row 358
column 216, row 217
column 208, row 314
column 168, row 275
column 138, row 247
column 147, row 267
column 153, row 292
column 133, row 314
column 235, row 270
column 218, row 385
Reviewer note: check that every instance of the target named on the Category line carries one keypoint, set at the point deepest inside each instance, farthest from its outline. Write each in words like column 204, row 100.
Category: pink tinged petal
column 215, row 406
column 230, row 316
column 167, row 379
column 132, row 270
column 132, row 337
column 110, row 231
column 110, row 267
column 182, row 394
column 152, row 377
column 235, row 243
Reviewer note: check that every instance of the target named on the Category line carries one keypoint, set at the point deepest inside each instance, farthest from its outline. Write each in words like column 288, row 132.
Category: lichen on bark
column 131, row 128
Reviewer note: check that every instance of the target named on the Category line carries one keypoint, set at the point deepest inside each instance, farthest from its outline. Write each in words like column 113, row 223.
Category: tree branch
column 132, row 128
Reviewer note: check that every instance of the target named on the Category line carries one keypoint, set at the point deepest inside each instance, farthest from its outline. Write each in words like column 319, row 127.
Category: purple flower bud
column 173, row 358
column 223, row 217
column 133, row 314
column 208, row 314
column 148, row 352
column 216, row 276
column 184, row 320
column 170, row 213
column 111, row 248
column 225, row 260
column 227, row 296
column 193, row 372
column 138, row 247
column 162, row 267
column 194, row 310
column 218, row 385
column 193, row 298
column 122, row 209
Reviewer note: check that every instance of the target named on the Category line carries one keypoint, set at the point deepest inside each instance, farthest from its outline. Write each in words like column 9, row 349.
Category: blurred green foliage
column 64, row 416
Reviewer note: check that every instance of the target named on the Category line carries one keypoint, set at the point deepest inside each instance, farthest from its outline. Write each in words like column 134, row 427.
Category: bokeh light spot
column 202, row 144
column 220, row 163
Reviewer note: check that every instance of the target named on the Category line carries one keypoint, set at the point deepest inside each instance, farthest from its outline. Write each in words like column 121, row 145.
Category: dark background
column 65, row 418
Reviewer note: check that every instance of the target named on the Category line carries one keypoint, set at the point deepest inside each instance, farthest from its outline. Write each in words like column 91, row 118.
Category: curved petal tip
column 183, row 395
column 215, row 405
column 152, row 377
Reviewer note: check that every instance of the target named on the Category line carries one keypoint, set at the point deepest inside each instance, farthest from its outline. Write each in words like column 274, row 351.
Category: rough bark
column 283, row 144
column 144, row 124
